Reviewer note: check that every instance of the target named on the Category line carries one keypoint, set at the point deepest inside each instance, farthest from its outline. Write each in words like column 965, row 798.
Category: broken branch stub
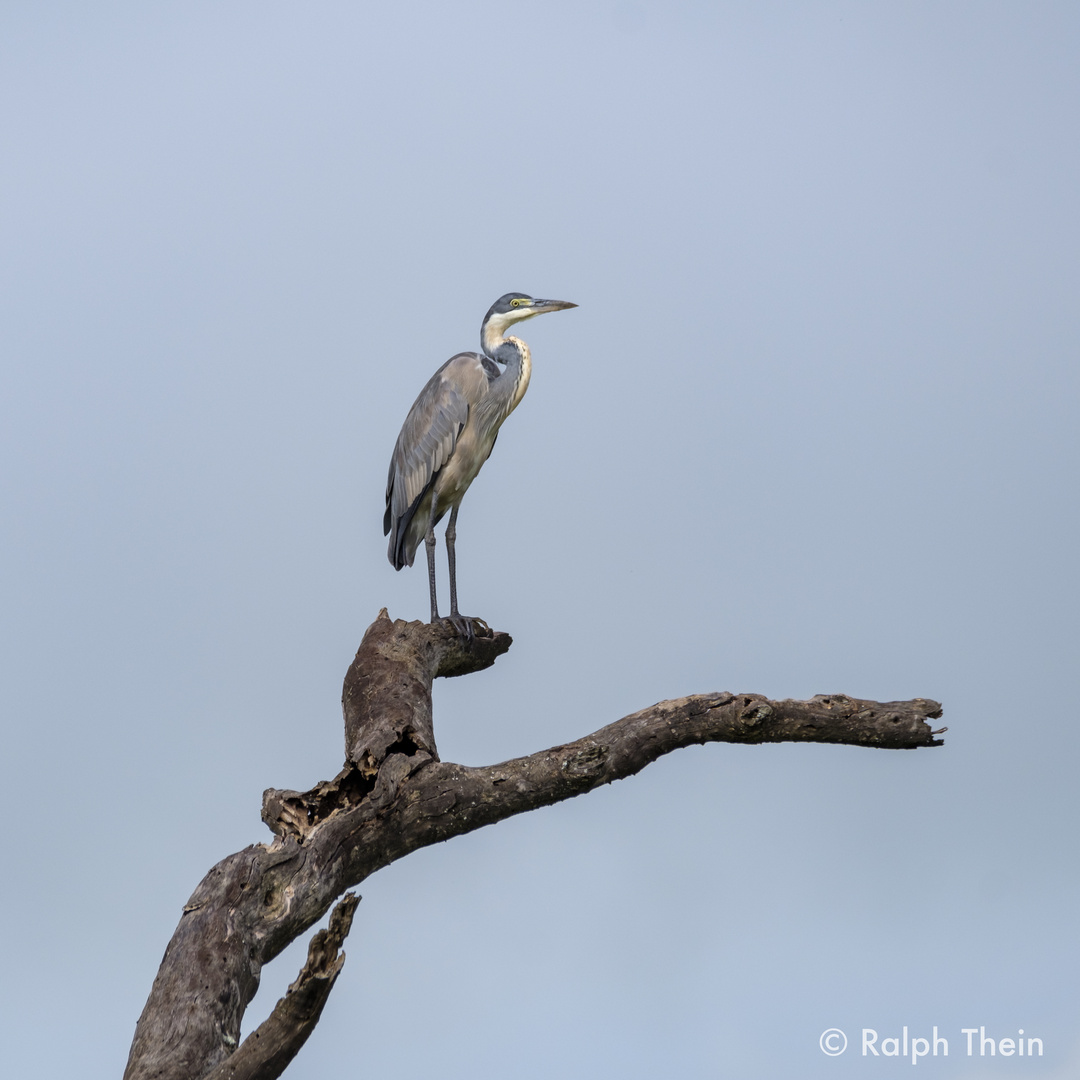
column 386, row 699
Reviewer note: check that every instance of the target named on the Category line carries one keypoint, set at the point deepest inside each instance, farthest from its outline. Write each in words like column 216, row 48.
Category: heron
column 448, row 435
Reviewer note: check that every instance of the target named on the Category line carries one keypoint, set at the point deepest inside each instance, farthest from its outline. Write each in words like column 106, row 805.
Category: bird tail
column 405, row 532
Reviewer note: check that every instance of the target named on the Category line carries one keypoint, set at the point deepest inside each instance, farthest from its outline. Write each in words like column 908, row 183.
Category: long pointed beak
column 540, row 306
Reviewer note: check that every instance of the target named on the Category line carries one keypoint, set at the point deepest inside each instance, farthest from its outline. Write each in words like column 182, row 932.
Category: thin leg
column 451, row 536
column 465, row 625
column 429, row 543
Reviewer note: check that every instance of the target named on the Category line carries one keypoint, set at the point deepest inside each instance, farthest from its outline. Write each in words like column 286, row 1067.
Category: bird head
column 509, row 309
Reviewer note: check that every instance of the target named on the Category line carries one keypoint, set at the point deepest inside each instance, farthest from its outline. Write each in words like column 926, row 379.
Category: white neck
column 494, row 331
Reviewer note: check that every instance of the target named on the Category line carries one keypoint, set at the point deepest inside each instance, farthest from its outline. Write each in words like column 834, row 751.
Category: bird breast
column 472, row 450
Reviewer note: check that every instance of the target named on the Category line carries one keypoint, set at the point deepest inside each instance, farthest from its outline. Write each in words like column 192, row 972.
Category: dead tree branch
column 267, row 1051
column 394, row 795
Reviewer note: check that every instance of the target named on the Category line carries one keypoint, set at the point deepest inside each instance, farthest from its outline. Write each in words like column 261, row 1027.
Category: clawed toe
column 469, row 627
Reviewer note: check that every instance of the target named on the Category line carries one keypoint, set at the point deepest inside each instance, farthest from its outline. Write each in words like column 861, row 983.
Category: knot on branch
column 586, row 761
column 756, row 712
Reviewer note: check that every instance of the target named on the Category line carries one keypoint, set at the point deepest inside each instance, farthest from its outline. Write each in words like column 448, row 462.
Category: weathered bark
column 395, row 796
column 267, row 1051
column 386, row 700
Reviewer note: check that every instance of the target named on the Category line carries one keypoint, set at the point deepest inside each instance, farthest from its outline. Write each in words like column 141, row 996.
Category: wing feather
column 423, row 447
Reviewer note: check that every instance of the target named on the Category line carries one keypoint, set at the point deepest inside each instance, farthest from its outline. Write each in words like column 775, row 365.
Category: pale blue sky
column 811, row 429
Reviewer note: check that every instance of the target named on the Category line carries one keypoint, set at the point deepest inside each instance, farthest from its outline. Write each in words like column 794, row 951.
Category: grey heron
column 448, row 435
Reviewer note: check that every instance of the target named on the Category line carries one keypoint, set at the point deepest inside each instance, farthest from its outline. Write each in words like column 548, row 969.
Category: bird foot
column 468, row 626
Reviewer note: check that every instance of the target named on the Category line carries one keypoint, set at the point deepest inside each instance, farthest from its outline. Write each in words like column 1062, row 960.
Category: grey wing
column 426, row 441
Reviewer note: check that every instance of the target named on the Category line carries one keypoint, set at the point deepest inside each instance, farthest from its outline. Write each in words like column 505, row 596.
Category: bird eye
column 515, row 303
